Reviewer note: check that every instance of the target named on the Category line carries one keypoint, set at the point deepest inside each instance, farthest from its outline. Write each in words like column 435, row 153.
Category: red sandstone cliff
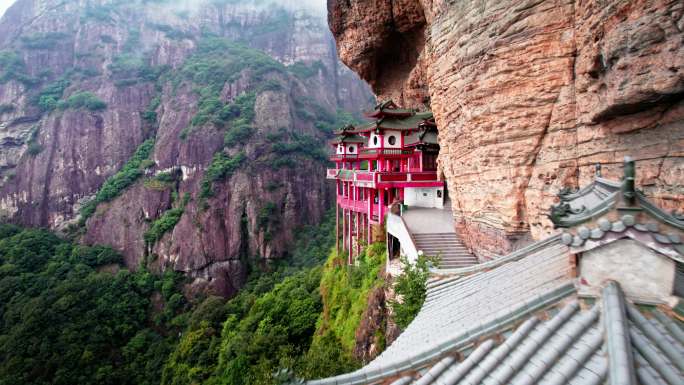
column 529, row 96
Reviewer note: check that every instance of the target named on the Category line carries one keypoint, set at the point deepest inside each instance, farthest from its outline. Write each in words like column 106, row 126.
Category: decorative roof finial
column 628, row 190
column 598, row 169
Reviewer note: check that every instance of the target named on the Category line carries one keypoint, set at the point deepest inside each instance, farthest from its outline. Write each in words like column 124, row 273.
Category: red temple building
column 390, row 160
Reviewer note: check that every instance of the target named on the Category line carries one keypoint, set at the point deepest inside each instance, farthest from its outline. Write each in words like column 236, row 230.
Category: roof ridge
column 621, row 360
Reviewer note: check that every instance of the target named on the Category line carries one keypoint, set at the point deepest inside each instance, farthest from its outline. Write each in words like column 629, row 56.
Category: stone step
column 424, row 242
column 446, row 264
column 432, row 238
column 444, row 251
column 439, row 243
column 457, row 257
column 432, row 246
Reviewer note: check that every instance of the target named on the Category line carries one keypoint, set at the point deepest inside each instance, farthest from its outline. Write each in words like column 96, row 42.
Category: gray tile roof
column 611, row 341
column 649, row 233
column 461, row 309
column 466, row 334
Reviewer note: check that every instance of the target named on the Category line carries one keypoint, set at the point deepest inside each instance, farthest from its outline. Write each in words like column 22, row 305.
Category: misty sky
column 4, row 4
column 316, row 4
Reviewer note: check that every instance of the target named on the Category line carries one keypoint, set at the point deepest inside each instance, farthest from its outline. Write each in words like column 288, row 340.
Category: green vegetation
column 284, row 147
column 275, row 331
column 101, row 13
column 304, row 71
column 411, row 290
column 267, row 326
column 222, row 167
column 49, row 96
column 112, row 187
column 170, row 32
column 128, row 69
column 162, row 181
column 47, row 40
column 217, row 61
column 34, row 148
column 72, row 315
column 163, row 224
column 345, row 291
column 166, row 222
column 12, row 67
column 150, row 114
column 83, row 99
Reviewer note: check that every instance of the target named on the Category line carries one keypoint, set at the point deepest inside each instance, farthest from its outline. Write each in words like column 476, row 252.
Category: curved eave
column 659, row 214
column 589, row 213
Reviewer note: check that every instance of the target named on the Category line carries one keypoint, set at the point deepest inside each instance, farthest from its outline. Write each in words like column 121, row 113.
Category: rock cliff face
column 529, row 96
column 238, row 97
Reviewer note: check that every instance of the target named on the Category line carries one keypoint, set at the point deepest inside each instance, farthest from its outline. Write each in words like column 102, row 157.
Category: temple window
column 392, row 140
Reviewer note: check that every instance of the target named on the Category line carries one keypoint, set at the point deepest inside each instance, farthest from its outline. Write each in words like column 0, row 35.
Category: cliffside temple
column 598, row 303
column 384, row 168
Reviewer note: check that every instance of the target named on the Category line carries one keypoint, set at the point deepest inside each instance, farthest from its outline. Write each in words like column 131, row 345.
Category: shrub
column 49, row 96
column 222, row 166
column 410, row 289
column 164, row 223
column 150, row 114
column 83, row 99
column 34, row 149
column 238, row 134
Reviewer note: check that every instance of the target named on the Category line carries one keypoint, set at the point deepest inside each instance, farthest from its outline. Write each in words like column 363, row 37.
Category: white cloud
column 4, row 4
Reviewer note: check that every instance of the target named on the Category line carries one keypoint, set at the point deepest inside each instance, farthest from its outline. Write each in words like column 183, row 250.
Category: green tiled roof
column 602, row 196
column 350, row 139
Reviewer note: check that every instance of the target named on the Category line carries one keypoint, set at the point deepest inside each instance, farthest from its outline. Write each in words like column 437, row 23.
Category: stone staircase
column 452, row 253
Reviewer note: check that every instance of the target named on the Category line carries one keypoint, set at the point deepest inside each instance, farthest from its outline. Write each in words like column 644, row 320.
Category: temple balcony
column 343, row 157
column 361, row 206
column 373, row 153
column 374, row 179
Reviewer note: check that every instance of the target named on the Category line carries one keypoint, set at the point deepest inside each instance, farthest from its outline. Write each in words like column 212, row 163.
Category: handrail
column 386, row 151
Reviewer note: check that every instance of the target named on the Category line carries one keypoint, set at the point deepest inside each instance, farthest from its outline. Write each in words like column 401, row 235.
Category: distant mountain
column 186, row 135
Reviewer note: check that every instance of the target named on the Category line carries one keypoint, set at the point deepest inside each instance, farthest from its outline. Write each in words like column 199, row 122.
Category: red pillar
column 369, row 233
column 337, row 228
column 344, row 228
column 349, row 232
column 358, row 235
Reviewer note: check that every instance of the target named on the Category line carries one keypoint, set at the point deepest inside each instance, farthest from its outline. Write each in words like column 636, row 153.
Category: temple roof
column 427, row 135
column 389, row 108
column 349, row 139
column 575, row 341
column 602, row 196
column 389, row 117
